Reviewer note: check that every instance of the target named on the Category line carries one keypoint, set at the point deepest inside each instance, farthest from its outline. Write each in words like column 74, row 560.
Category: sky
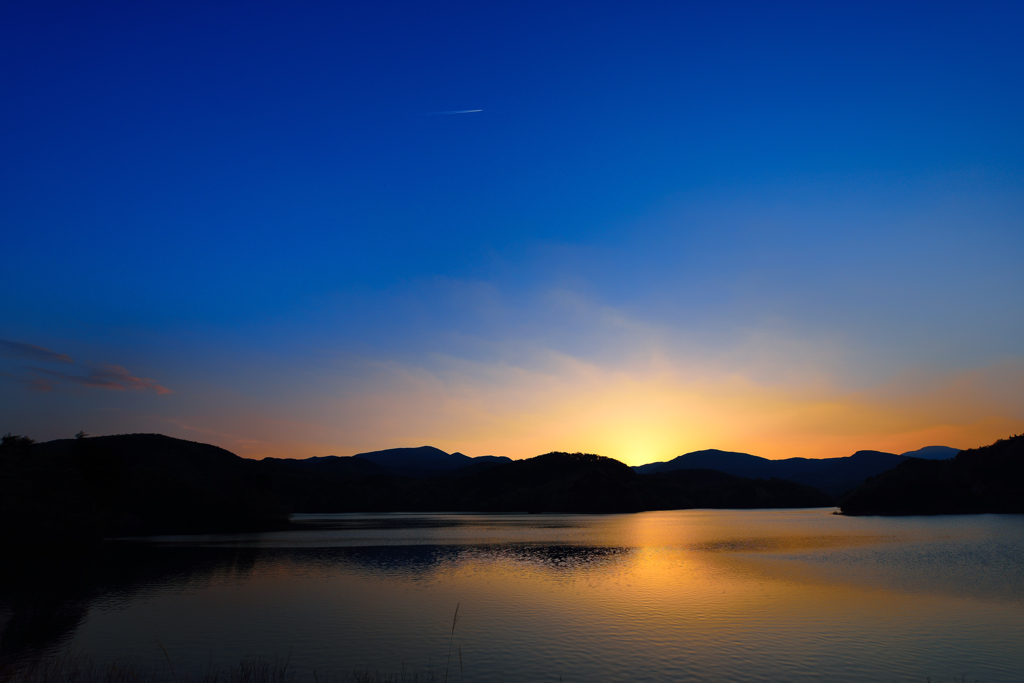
column 632, row 229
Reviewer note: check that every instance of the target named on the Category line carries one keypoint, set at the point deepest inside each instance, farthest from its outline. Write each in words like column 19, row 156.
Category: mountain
column 933, row 453
column 834, row 476
column 425, row 461
column 378, row 481
column 554, row 482
column 416, row 462
column 739, row 464
column 978, row 480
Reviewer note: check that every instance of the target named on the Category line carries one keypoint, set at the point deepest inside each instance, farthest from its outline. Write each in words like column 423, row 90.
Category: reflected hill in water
column 426, row 560
column 43, row 600
column 42, row 603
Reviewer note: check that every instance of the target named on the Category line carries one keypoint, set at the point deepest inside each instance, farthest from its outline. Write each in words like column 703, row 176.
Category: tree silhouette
column 10, row 443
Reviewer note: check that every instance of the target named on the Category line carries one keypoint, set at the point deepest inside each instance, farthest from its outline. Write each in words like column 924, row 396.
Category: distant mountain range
column 933, row 453
column 74, row 492
column 835, row 476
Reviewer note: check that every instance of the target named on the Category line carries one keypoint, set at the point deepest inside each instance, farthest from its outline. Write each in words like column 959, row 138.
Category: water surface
column 696, row 595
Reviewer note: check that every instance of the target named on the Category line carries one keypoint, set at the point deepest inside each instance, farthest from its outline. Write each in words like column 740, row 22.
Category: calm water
column 697, row 595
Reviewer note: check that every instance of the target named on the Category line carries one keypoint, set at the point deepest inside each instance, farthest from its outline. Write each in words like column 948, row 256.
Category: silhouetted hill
column 555, row 482
column 932, row 453
column 380, row 481
column 740, row 464
column 78, row 490
column 424, row 461
column 834, row 476
column 986, row 479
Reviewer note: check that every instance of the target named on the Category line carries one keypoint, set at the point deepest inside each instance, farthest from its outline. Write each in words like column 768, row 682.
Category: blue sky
column 785, row 228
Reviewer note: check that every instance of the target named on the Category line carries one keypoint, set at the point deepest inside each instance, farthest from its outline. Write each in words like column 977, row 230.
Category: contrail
column 460, row 111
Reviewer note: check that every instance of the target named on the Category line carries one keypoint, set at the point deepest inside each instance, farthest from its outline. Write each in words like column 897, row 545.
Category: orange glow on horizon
column 643, row 415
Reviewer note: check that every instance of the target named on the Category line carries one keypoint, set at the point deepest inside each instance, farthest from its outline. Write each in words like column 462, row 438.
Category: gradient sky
column 789, row 229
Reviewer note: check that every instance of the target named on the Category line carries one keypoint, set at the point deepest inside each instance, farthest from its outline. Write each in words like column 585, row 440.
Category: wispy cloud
column 13, row 349
column 33, row 382
column 456, row 111
column 112, row 377
column 99, row 375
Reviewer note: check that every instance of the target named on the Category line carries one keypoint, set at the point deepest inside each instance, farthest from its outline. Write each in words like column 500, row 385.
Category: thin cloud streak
column 457, row 111
column 112, row 377
column 33, row 383
column 101, row 375
column 13, row 349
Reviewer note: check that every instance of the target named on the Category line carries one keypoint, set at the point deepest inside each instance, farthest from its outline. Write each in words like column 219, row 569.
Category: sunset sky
column 787, row 229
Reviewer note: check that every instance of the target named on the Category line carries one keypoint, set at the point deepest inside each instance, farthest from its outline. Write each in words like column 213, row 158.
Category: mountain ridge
column 835, row 476
column 416, row 462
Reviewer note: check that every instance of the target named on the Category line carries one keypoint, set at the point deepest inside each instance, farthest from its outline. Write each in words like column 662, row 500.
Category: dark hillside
column 388, row 482
column 683, row 489
column 986, row 479
column 580, row 482
column 555, row 482
column 79, row 490
column 335, row 484
column 837, row 476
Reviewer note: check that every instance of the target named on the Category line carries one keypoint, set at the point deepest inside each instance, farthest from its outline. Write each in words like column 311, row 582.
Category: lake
column 689, row 595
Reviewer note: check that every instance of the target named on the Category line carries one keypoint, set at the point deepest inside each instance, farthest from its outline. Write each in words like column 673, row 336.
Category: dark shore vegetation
column 989, row 479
